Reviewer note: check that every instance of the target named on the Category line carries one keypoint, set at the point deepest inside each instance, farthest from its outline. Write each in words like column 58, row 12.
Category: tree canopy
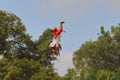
column 22, row 57
column 99, row 59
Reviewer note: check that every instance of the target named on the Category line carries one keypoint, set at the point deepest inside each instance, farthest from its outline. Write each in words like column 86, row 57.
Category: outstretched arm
column 60, row 29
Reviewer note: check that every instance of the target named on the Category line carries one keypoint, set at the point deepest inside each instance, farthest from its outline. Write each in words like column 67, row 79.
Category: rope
column 65, row 10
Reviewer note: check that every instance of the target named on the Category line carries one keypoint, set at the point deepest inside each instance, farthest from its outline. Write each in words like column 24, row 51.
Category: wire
column 65, row 10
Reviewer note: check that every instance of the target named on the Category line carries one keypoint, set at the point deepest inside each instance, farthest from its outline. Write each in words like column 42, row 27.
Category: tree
column 116, row 75
column 21, row 69
column 43, row 51
column 102, row 55
column 46, row 74
column 25, row 69
column 3, row 63
column 71, row 75
column 14, row 42
column 104, row 75
column 23, row 58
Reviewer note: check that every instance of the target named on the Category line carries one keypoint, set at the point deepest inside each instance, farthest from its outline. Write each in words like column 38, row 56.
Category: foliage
column 99, row 59
column 104, row 75
column 46, row 74
column 23, row 58
column 21, row 69
column 14, row 42
column 43, row 51
column 70, row 75
column 117, row 75
column 27, row 70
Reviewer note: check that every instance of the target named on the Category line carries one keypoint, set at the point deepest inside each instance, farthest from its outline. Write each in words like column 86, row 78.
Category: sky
column 83, row 19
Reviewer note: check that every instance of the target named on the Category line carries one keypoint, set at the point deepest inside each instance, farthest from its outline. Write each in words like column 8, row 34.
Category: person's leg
column 53, row 53
column 57, row 50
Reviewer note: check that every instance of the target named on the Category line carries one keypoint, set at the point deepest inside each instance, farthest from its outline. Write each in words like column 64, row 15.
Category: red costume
column 57, row 32
column 54, row 43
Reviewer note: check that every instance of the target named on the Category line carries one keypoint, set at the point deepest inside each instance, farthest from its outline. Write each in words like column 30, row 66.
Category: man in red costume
column 54, row 44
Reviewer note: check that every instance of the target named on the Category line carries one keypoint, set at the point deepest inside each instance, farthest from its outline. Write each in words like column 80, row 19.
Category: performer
column 55, row 42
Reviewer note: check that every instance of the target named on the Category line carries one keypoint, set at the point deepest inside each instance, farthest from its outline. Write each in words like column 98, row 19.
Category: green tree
column 3, row 71
column 87, row 73
column 25, row 69
column 116, row 75
column 14, row 42
column 46, row 74
column 43, row 51
column 104, row 75
column 70, row 75
column 21, row 69
column 102, row 55
column 23, row 58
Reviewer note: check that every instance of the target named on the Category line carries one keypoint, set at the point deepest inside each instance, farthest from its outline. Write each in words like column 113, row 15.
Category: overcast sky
column 83, row 19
